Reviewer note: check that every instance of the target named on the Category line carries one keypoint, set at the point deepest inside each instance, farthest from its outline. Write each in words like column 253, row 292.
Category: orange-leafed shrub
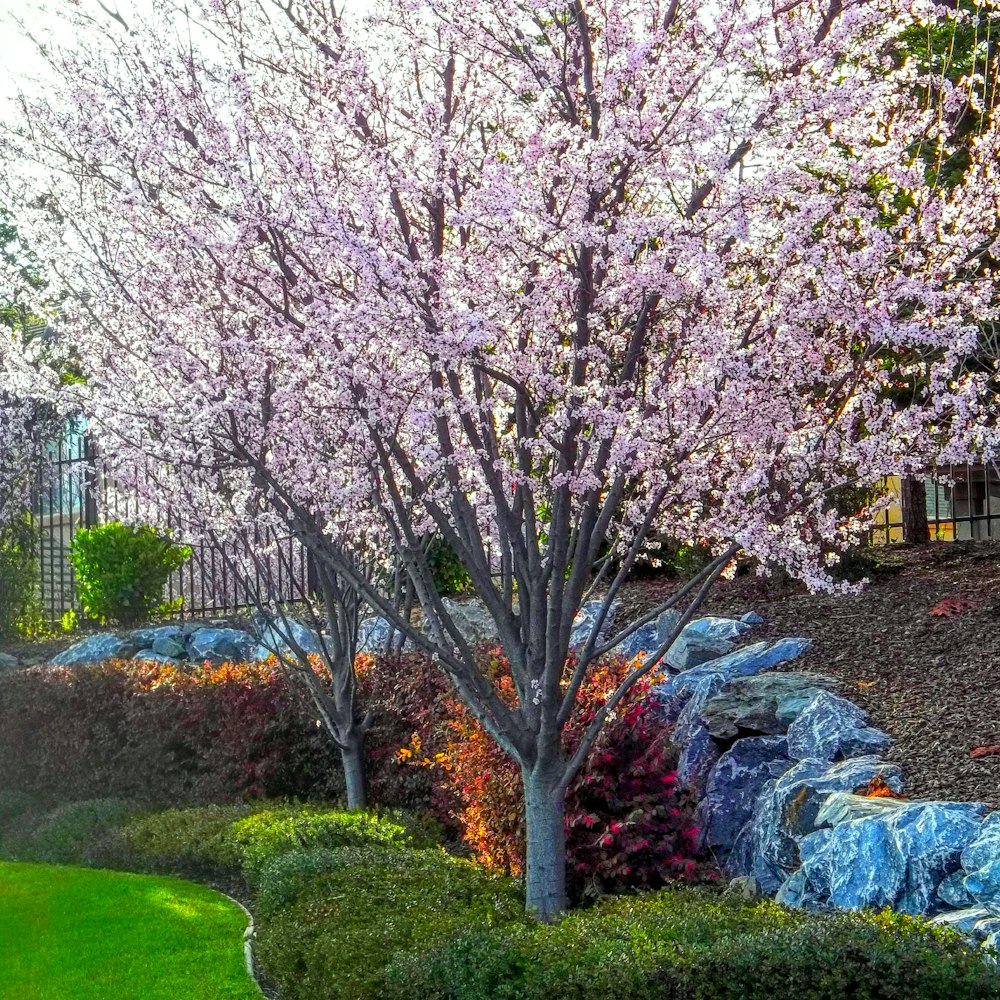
column 627, row 823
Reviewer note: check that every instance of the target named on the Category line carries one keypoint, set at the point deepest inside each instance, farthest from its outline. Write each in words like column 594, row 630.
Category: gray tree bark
column 545, row 809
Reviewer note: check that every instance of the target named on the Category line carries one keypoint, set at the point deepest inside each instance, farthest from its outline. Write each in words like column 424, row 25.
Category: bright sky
column 18, row 66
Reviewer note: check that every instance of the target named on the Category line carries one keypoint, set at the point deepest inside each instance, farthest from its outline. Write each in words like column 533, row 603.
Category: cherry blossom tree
column 23, row 423
column 543, row 276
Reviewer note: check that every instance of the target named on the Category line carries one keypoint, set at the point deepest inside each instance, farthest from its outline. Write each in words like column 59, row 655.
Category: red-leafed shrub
column 627, row 824
column 157, row 734
column 413, row 705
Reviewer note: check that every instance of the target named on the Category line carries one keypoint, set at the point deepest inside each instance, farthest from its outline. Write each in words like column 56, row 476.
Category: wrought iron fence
column 222, row 576
column 963, row 504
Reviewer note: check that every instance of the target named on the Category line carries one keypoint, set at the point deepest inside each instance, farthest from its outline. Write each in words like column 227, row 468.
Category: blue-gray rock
column 373, row 633
column 967, row 921
column 697, row 758
column 473, row 620
column 752, row 618
column 897, row 859
column 733, row 787
column 220, row 645
column 691, row 649
column 981, row 859
column 94, row 649
column 786, row 811
column 761, row 703
column 987, row 930
column 795, row 891
column 829, row 728
column 932, row 836
column 644, row 640
column 666, row 624
column 151, row 656
column 169, row 646
column 711, row 627
column 277, row 635
column 754, row 659
column 840, row 807
column 688, row 720
column 585, row 620
column 144, row 638
column 952, row 891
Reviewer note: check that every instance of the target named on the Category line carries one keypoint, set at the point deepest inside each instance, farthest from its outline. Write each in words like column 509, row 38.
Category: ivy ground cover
column 78, row 934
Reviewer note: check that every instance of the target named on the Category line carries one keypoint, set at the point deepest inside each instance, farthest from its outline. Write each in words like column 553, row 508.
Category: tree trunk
column 913, row 501
column 545, row 811
column 352, row 757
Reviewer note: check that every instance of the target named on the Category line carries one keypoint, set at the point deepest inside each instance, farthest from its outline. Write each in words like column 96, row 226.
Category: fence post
column 89, row 485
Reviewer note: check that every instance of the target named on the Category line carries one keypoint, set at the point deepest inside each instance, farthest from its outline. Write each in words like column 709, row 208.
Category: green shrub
column 447, row 571
column 121, row 571
column 264, row 836
column 687, row 945
column 334, row 933
column 14, row 806
column 188, row 841
column 20, row 599
column 81, row 833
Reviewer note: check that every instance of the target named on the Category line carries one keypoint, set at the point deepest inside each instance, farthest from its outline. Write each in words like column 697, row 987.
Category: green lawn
column 80, row 934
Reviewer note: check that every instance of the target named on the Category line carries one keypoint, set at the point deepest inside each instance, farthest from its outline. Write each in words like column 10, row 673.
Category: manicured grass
column 81, row 934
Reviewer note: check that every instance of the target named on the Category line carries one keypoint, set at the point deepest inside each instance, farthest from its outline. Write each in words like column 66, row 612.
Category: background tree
column 541, row 277
column 961, row 49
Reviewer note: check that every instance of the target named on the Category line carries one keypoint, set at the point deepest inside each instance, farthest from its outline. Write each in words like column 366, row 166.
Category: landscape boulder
column 712, row 627
column 277, row 635
column 975, row 921
column 8, row 662
column 691, row 649
column 952, row 891
column 981, row 861
column 733, row 787
column 373, row 634
column 472, row 620
column 170, row 647
column 220, row 645
column 830, row 728
column 94, row 649
column 897, row 859
column 698, row 755
column 761, row 704
column 151, row 656
column 786, row 811
column 143, row 638
column 585, row 620
column 645, row 639
column 673, row 694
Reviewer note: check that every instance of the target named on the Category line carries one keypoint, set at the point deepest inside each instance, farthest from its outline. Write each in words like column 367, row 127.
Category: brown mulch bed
column 932, row 681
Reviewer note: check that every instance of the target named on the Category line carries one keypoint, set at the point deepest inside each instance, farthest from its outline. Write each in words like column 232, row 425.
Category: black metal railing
column 223, row 576
column 963, row 504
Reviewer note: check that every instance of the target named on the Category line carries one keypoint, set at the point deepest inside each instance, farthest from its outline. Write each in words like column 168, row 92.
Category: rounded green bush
column 79, row 833
column 187, row 840
column 265, row 835
column 691, row 945
column 121, row 571
column 335, row 932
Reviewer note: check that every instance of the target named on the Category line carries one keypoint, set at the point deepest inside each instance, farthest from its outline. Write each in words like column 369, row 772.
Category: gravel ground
column 929, row 680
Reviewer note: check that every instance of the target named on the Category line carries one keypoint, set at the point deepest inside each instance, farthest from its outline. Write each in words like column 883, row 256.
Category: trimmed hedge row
column 360, row 907
column 690, row 944
column 182, row 737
